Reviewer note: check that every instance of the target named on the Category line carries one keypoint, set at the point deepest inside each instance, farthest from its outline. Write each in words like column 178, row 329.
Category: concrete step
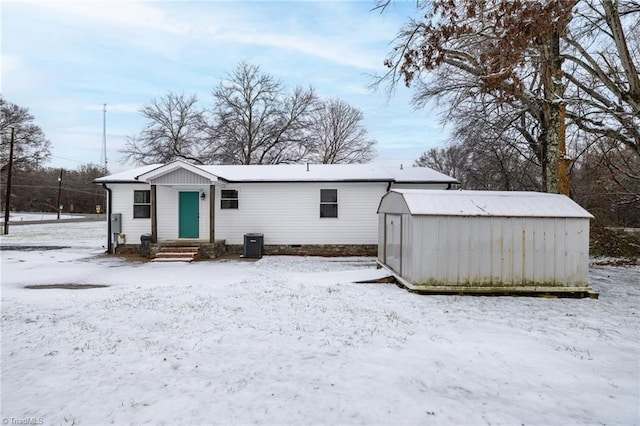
column 177, row 254
column 174, row 259
column 180, row 250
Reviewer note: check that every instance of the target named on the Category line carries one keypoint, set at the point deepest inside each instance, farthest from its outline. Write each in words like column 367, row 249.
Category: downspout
column 104, row 185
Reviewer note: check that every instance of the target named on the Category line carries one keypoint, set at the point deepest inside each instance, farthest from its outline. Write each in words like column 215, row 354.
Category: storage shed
column 485, row 242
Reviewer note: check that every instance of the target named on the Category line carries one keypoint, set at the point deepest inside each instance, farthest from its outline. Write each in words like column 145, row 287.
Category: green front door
column 189, row 215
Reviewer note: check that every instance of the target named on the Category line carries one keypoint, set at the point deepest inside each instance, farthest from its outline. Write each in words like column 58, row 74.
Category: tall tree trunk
column 552, row 135
column 612, row 17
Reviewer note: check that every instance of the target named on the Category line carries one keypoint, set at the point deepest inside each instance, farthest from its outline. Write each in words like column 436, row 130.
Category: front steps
column 177, row 254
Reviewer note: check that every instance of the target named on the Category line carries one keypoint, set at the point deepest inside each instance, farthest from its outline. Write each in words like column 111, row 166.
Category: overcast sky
column 64, row 60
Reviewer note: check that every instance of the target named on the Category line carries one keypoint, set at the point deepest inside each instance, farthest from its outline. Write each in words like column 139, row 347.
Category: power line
column 64, row 188
column 69, row 159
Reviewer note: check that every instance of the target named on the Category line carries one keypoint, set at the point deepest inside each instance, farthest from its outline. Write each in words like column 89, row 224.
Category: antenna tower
column 103, row 154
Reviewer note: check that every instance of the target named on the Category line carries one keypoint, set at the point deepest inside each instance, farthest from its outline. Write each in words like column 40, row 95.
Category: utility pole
column 8, row 199
column 59, row 192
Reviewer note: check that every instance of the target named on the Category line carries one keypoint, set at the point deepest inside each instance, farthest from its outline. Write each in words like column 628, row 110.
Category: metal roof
column 128, row 176
column 299, row 173
column 485, row 203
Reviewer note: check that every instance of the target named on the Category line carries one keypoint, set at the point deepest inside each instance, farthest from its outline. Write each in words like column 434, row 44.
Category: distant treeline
column 40, row 190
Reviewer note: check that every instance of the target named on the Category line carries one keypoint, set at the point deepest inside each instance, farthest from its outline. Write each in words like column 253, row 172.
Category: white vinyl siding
column 180, row 177
column 122, row 202
column 167, row 209
column 287, row 213
column 167, row 206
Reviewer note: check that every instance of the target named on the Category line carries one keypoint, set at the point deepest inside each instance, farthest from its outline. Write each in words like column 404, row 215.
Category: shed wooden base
column 550, row 292
column 527, row 291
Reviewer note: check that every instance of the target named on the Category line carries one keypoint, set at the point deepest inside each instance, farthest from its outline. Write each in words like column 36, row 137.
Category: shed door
column 189, row 215
column 393, row 241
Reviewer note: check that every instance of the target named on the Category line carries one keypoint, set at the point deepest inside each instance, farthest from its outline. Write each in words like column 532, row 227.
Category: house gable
column 178, row 173
column 180, row 177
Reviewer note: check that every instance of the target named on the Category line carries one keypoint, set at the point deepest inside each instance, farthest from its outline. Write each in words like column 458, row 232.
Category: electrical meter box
column 116, row 223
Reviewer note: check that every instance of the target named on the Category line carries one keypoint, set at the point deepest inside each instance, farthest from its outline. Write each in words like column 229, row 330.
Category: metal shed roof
column 480, row 203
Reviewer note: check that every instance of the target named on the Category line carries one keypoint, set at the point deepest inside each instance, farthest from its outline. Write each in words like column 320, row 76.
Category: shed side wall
column 409, row 244
column 381, row 237
column 452, row 250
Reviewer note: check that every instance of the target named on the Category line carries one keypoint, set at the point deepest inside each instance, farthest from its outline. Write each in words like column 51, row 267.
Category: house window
column 328, row 203
column 141, row 204
column 229, row 199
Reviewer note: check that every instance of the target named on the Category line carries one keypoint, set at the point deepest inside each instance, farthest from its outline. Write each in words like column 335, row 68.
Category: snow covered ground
column 292, row 340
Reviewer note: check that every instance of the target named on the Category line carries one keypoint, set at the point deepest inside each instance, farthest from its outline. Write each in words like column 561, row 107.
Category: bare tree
column 480, row 159
column 603, row 57
column 452, row 160
column 606, row 181
column 175, row 129
column 535, row 60
column 31, row 147
column 256, row 122
column 491, row 44
column 337, row 134
column 494, row 144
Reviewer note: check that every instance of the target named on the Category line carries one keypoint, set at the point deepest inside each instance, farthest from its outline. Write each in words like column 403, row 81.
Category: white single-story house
column 302, row 208
column 484, row 242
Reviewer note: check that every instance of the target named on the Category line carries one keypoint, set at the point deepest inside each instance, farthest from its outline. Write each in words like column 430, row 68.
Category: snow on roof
column 490, row 203
column 420, row 174
column 300, row 173
column 128, row 175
